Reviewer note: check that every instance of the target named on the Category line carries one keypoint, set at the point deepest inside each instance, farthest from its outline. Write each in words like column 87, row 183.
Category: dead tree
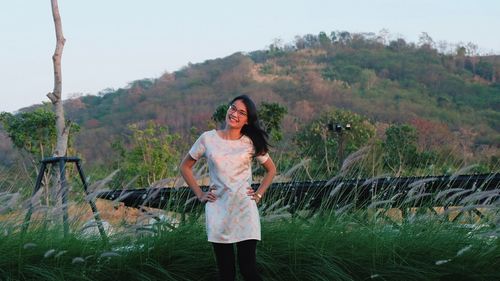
column 62, row 130
column 55, row 96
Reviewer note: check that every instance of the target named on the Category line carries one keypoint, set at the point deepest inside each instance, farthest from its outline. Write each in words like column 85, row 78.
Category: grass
column 340, row 241
column 349, row 246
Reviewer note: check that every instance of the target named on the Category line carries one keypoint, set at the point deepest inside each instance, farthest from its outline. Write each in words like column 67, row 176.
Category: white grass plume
column 98, row 185
column 146, row 229
column 463, row 250
column 8, row 201
column 131, row 182
column 440, row 262
column 191, row 199
column 336, row 189
column 472, row 207
column 78, row 260
column 89, row 224
column 446, row 192
column 60, row 253
column 280, row 210
column 275, row 217
column 292, row 170
column 151, row 193
column 109, row 255
column 369, row 181
column 421, row 182
column 335, row 178
column 476, row 196
column 344, row 209
column 379, row 203
column 29, row 246
column 49, row 253
column 275, row 204
column 456, row 195
column 416, row 197
column 123, row 195
column 395, row 196
column 201, row 171
column 353, row 158
column 463, row 170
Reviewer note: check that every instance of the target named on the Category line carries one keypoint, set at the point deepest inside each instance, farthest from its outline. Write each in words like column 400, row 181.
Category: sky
column 111, row 43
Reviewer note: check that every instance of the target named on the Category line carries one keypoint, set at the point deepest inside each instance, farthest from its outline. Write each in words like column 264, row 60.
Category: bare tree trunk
column 56, row 96
column 62, row 130
column 324, row 137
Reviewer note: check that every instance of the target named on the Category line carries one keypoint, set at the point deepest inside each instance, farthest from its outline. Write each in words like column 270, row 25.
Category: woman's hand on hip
column 254, row 195
column 208, row 196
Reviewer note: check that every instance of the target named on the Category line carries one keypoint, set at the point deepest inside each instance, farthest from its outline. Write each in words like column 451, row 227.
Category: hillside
column 394, row 82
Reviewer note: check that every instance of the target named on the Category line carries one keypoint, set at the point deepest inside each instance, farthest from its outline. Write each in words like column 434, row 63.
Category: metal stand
column 64, row 195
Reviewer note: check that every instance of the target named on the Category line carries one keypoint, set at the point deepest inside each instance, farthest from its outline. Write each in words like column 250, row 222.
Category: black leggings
column 224, row 254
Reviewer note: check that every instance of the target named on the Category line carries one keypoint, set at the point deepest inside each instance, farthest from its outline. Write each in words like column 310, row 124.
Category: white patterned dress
column 234, row 216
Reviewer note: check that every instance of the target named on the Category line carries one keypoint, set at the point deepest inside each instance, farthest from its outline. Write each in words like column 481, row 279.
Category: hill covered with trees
column 448, row 96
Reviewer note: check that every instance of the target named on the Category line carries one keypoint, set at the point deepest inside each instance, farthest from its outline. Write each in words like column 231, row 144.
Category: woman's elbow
column 271, row 169
column 187, row 163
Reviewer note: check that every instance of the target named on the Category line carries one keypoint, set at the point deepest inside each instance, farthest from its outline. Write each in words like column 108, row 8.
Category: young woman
column 231, row 204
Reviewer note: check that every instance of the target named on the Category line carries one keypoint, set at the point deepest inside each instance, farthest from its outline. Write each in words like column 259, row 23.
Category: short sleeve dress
column 234, row 216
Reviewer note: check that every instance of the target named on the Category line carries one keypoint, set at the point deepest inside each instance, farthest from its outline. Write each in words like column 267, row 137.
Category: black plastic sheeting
column 383, row 191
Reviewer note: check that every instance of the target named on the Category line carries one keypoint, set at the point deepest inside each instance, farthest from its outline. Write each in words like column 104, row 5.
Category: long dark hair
column 253, row 129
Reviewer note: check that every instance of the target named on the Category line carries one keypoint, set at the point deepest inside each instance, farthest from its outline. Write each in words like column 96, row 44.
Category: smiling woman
column 233, row 108
column 231, row 212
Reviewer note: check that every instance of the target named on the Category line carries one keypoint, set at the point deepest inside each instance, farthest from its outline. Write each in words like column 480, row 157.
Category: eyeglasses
column 232, row 108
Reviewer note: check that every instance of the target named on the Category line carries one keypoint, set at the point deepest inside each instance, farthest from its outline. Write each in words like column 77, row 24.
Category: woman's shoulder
column 210, row 133
column 246, row 140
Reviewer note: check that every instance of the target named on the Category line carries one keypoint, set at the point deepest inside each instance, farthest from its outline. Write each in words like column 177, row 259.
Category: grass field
column 337, row 242
column 329, row 245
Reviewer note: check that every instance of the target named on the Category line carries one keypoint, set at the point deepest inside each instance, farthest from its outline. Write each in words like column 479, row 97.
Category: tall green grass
column 340, row 241
column 328, row 246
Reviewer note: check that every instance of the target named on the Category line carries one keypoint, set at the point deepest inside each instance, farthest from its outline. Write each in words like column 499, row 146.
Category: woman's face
column 237, row 115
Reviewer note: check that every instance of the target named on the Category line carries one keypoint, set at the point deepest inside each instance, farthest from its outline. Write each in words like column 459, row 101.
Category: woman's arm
column 187, row 173
column 266, row 181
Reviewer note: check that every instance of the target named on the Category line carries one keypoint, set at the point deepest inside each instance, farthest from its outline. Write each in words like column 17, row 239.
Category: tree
column 472, row 53
column 344, row 37
column 383, row 36
column 460, row 57
column 276, row 48
column 33, row 132
column 152, row 156
column 62, row 129
column 219, row 115
column 398, row 45
column 432, row 135
column 310, row 41
column 425, row 41
column 324, row 40
column 300, row 43
column 271, row 115
column 333, row 36
column 367, row 79
column 317, row 142
column 400, row 148
column 486, row 70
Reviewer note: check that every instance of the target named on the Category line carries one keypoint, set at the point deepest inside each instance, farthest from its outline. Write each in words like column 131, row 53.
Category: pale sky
column 113, row 42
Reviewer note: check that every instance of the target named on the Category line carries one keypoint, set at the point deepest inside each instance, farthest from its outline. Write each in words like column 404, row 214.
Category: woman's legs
column 247, row 260
column 224, row 255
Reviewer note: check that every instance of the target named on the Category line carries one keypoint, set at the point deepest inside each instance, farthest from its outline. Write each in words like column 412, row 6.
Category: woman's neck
column 231, row 134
